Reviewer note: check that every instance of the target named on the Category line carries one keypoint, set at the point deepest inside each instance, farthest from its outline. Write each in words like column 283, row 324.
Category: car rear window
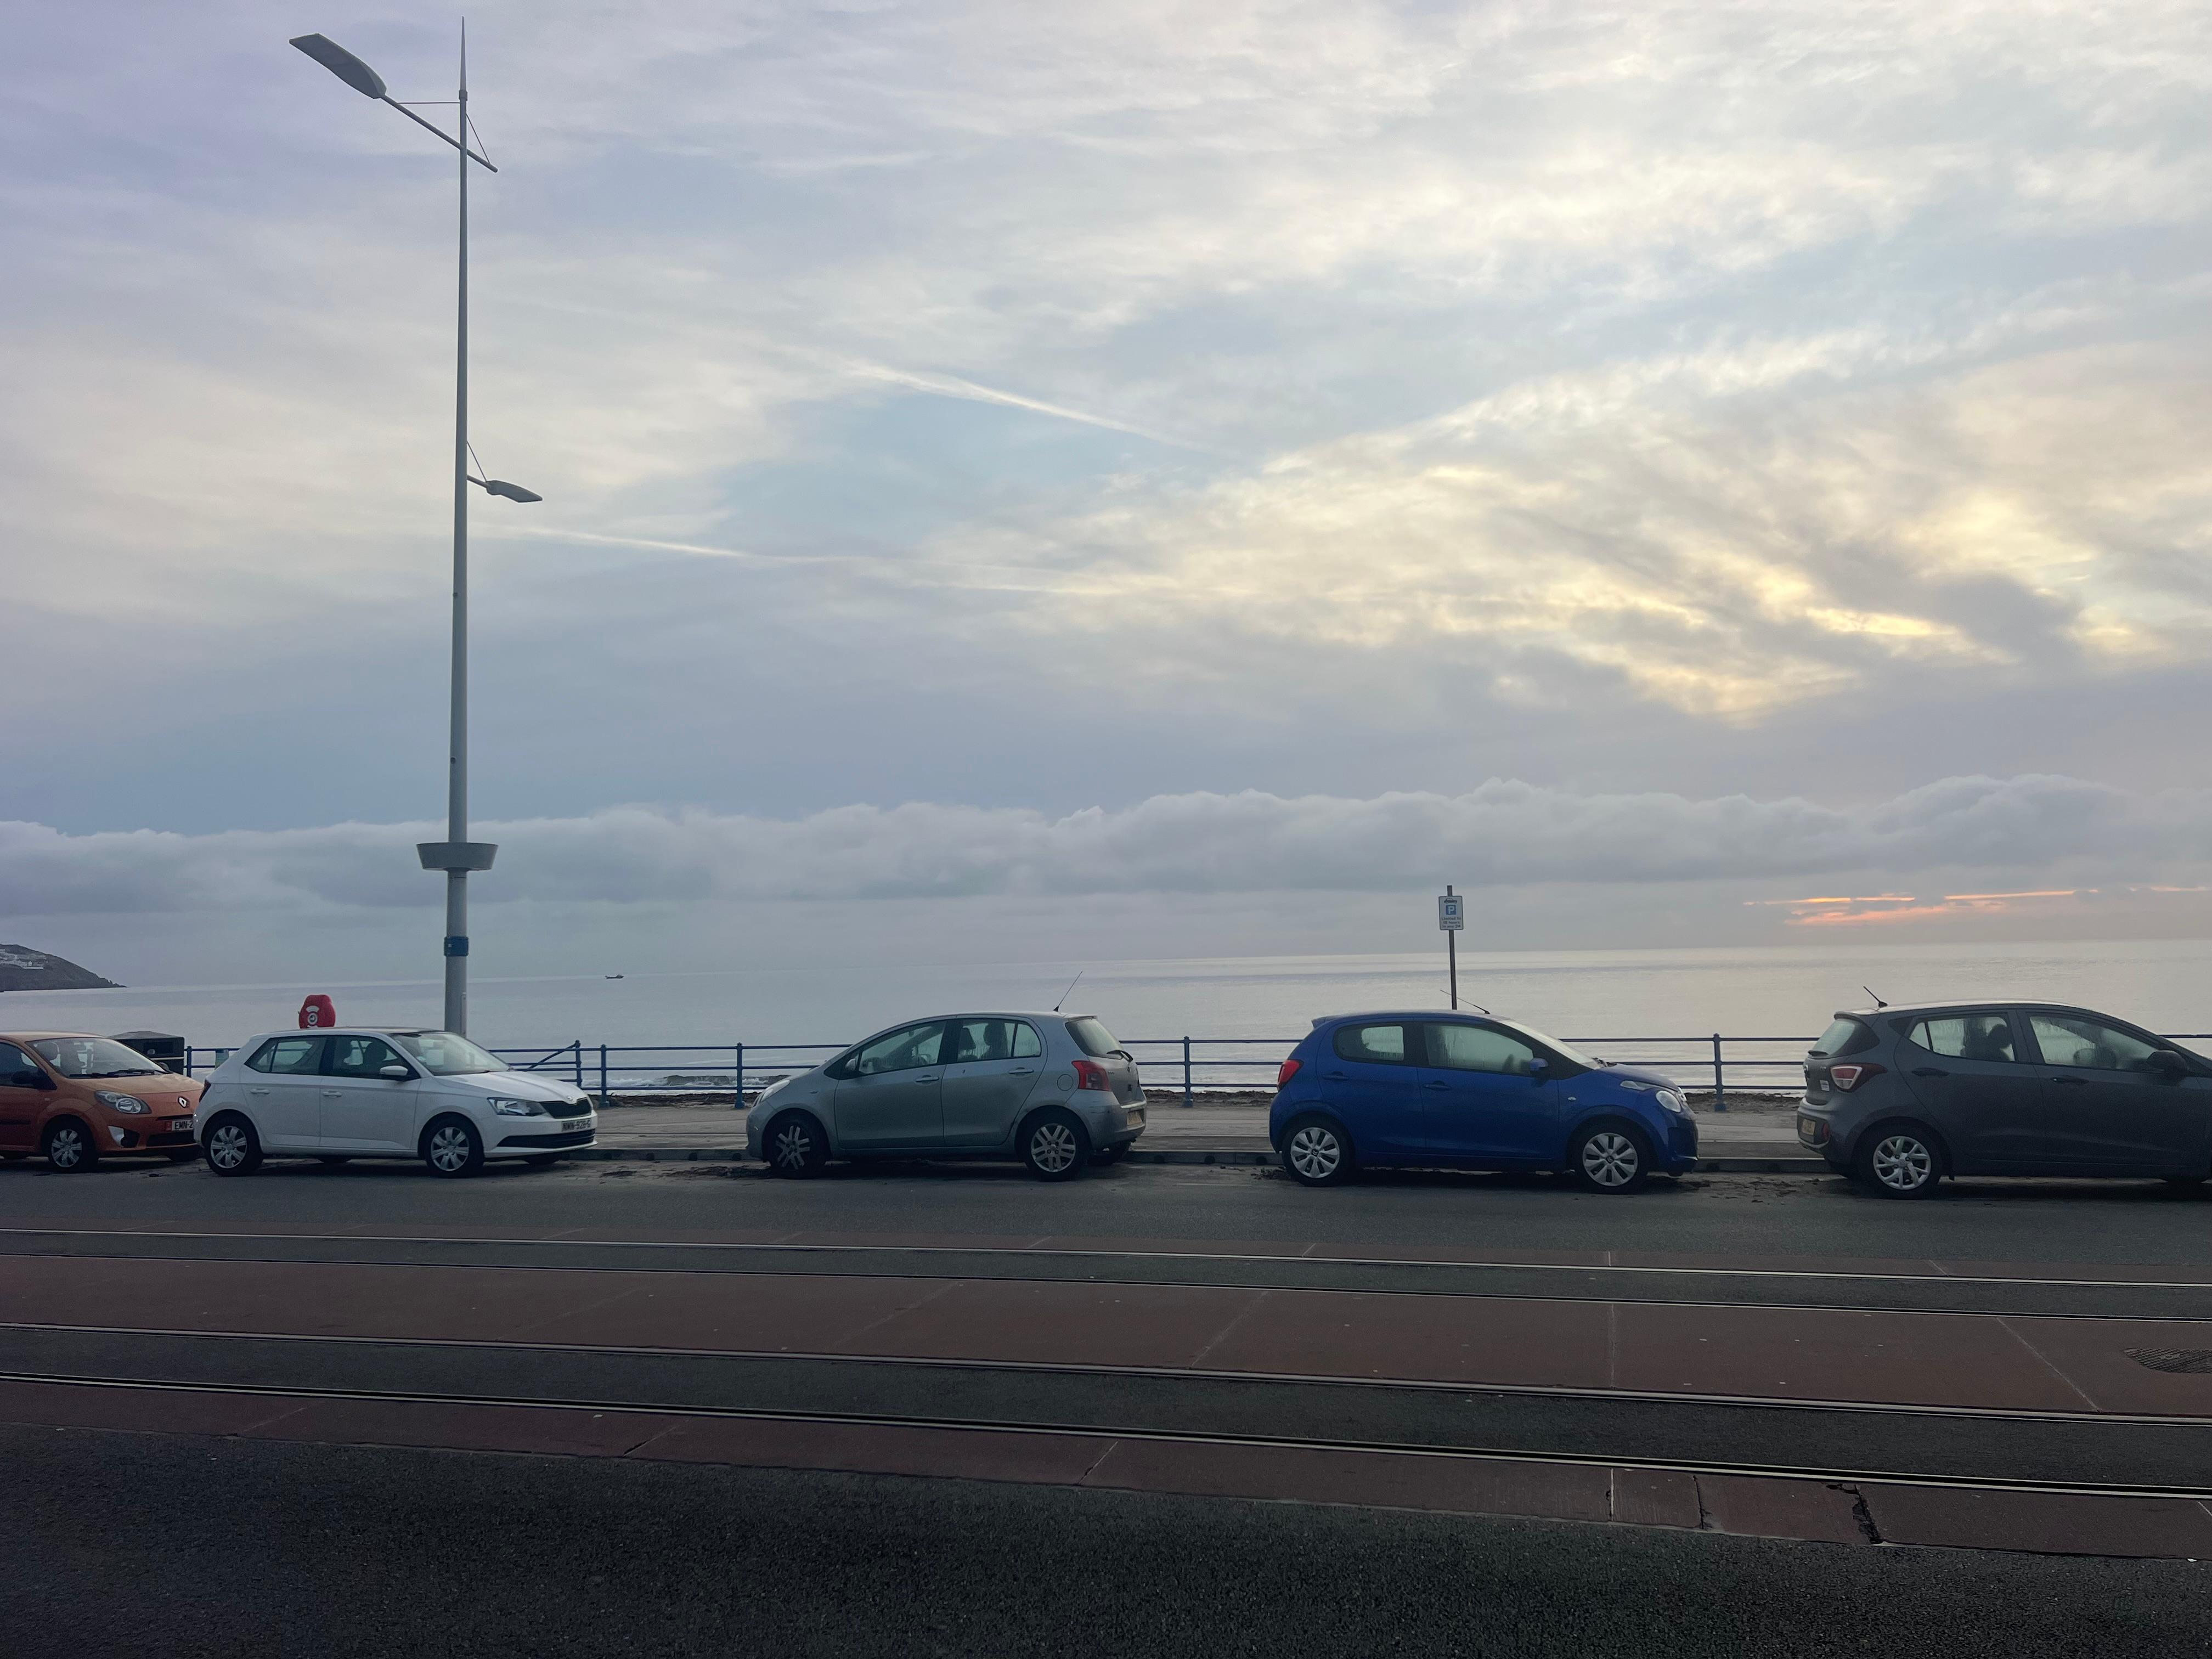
column 1376, row 1045
column 1845, row 1036
column 1092, row 1037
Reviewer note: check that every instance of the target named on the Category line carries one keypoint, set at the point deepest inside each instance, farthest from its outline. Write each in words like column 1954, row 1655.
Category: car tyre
column 230, row 1145
column 797, row 1149
column 69, row 1146
column 1055, row 1145
column 1610, row 1158
column 1317, row 1152
column 452, row 1148
column 1899, row 1160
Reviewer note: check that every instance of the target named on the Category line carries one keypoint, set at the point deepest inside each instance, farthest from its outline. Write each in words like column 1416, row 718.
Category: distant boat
column 614, row 976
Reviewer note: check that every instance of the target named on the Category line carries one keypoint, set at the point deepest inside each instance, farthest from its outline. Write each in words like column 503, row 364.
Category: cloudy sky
column 1206, row 474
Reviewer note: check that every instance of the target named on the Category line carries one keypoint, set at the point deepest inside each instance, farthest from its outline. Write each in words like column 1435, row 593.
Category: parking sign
column 1450, row 914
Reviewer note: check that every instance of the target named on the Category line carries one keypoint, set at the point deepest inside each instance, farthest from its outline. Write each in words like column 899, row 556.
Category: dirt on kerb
column 1701, row 1100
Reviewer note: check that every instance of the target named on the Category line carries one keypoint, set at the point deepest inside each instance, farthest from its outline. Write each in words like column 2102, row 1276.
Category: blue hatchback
column 1471, row 1092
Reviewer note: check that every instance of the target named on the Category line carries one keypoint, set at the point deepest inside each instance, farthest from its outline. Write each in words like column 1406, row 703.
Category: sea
column 1627, row 999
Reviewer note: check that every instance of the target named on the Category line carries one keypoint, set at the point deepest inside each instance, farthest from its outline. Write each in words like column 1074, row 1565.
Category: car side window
column 2090, row 1045
column 992, row 1039
column 906, row 1049
column 1966, row 1037
column 1373, row 1045
column 291, row 1056
column 17, row 1069
column 362, row 1056
column 1479, row 1049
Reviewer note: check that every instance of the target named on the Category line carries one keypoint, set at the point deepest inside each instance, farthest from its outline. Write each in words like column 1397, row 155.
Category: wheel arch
column 1608, row 1113
column 1874, row 1128
column 1335, row 1119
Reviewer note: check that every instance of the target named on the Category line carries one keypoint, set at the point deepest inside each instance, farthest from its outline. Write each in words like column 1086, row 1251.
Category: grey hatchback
column 1055, row 1091
column 1901, row 1098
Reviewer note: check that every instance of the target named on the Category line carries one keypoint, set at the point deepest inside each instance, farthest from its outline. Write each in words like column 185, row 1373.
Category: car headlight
column 1673, row 1101
column 119, row 1103
column 518, row 1107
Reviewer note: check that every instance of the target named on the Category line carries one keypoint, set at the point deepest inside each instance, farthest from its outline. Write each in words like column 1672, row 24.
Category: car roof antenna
column 1878, row 1002
column 1070, row 991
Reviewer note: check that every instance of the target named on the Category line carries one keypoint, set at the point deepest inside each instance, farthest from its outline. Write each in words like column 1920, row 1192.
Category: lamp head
column 342, row 64
column 512, row 492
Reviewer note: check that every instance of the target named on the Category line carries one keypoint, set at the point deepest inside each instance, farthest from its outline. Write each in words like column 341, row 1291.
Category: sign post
column 1451, row 916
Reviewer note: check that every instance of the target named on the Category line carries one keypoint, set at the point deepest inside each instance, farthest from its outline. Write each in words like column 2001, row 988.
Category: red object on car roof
column 316, row 1012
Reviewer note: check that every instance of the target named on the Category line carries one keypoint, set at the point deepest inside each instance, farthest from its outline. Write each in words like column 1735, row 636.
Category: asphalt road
column 2131, row 1222
column 283, row 1541
column 145, row 1545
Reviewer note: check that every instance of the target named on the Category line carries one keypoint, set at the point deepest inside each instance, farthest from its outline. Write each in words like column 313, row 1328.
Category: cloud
column 1501, row 834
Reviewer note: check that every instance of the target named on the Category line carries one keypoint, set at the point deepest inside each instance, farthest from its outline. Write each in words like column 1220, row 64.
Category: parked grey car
column 1901, row 1098
column 1055, row 1091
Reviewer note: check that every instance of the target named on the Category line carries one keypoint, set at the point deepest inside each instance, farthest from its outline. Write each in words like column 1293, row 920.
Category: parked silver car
column 1055, row 1091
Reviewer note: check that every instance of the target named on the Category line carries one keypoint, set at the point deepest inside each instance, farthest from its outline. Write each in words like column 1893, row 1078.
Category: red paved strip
column 1744, row 1505
column 1792, row 1353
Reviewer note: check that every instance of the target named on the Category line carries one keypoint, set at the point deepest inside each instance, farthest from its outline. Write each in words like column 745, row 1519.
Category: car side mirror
column 398, row 1073
column 1538, row 1066
column 2169, row 1062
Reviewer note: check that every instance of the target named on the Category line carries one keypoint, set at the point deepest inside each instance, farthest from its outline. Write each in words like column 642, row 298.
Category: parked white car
column 336, row 1095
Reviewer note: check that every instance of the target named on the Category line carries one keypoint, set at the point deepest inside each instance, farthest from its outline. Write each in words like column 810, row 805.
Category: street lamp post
column 457, row 854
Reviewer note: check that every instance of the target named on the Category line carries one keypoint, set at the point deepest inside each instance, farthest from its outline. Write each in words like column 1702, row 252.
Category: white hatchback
column 336, row 1095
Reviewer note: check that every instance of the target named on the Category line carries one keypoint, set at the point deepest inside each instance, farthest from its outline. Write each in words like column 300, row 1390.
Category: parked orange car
column 78, row 1099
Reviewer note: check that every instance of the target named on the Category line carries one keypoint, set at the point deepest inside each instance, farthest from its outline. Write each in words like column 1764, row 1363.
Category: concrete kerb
column 1740, row 1164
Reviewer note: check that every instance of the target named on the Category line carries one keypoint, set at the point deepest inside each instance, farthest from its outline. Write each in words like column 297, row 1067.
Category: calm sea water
column 1783, row 992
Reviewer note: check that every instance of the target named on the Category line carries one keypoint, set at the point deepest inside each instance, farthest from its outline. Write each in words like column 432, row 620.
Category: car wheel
column 1900, row 1160
column 451, row 1147
column 1055, row 1145
column 231, row 1147
column 69, row 1147
column 1316, row 1153
column 797, row 1148
column 1610, row 1158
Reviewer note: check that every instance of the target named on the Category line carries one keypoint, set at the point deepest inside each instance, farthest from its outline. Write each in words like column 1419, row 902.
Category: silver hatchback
column 1055, row 1091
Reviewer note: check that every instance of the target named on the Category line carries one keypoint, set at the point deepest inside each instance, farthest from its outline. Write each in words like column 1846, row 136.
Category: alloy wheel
column 225, row 1147
column 1315, row 1152
column 792, row 1146
column 66, row 1147
column 1903, row 1162
column 449, row 1148
column 1053, row 1148
column 1609, row 1158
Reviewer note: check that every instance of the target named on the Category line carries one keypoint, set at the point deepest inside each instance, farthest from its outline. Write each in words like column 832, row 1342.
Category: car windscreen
column 444, row 1054
column 1092, row 1037
column 1844, row 1036
column 1567, row 1052
column 94, row 1057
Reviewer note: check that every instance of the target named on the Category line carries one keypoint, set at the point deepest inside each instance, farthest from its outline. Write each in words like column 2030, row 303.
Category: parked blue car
column 1471, row 1092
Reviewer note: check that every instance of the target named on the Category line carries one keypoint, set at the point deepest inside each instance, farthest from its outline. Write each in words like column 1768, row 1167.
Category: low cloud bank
column 1502, row 834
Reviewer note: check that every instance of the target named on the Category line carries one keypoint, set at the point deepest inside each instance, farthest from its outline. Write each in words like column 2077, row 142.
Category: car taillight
column 1090, row 1074
column 1289, row 1071
column 1849, row 1075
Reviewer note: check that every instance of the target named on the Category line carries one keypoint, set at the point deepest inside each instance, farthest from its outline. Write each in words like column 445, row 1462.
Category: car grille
column 549, row 1143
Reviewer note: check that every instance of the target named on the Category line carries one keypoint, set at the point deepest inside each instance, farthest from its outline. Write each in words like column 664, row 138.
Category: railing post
column 1186, row 1072
column 1720, row 1081
column 741, row 1077
column 579, row 1046
column 606, row 1100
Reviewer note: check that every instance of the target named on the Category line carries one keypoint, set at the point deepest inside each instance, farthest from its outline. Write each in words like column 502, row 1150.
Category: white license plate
column 569, row 1126
column 178, row 1126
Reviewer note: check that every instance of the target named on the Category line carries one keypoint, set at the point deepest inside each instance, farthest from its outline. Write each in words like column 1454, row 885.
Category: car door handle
column 1929, row 1071
column 1439, row 1085
column 1333, row 1077
column 256, row 1092
column 1022, row 1071
column 2073, row 1082
column 333, row 1094
column 925, row 1080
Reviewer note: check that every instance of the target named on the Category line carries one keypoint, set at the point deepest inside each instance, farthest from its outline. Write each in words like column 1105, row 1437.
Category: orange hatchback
column 77, row 1099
